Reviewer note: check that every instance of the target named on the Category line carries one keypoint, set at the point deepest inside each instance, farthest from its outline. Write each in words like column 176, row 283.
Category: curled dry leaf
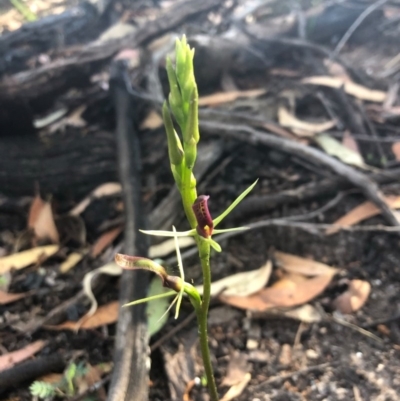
column 41, row 220
column 25, row 258
column 7, row 361
column 226, row 97
column 7, row 298
column 110, row 188
column 361, row 213
column 351, row 88
column 241, row 284
column 354, row 298
column 104, row 315
column 112, row 269
column 299, row 127
column 290, row 290
column 104, row 241
column 307, row 267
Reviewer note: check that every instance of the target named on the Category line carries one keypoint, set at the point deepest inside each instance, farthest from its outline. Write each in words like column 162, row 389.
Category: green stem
column 202, row 317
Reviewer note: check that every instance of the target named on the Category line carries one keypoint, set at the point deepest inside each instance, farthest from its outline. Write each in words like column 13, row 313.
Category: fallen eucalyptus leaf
column 299, row 127
column 25, row 258
column 12, row 358
column 290, row 290
column 237, row 389
column 107, row 189
column 226, row 97
column 351, row 88
column 362, row 212
column 334, row 148
column 72, row 260
column 104, row 315
column 241, row 284
column 296, row 264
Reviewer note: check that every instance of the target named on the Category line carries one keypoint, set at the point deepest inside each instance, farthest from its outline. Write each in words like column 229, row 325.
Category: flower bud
column 175, row 96
column 191, row 132
column 175, row 150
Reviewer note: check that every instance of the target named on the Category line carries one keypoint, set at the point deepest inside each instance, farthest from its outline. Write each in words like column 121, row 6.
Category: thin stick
column 356, row 24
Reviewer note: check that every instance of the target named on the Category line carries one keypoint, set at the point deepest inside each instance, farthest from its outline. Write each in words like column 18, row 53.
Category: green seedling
column 182, row 105
column 64, row 387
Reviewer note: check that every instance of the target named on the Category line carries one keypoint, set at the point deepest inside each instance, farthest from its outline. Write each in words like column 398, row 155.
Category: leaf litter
column 360, row 213
column 41, row 220
column 10, row 359
column 354, row 297
column 24, row 259
column 293, row 288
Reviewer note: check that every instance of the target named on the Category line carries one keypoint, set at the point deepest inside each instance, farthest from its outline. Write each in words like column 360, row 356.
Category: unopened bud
column 175, row 150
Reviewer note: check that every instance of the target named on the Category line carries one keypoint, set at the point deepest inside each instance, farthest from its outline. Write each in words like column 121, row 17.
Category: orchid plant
column 182, row 105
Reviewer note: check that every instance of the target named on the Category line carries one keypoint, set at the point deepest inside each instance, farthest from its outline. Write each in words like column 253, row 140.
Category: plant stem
column 202, row 316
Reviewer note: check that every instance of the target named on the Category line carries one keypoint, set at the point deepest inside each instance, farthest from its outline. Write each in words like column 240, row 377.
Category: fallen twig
column 130, row 374
column 356, row 24
column 30, row 370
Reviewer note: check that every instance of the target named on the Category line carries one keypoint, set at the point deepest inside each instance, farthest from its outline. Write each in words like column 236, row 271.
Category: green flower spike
column 205, row 225
column 178, row 284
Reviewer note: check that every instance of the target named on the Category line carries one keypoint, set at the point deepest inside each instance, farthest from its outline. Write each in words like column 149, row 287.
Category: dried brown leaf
column 104, row 315
column 396, row 150
column 286, row 292
column 41, row 220
column 241, row 284
column 362, row 212
column 354, row 298
column 237, row 389
column 104, row 241
column 299, row 127
column 351, row 88
column 72, row 260
column 34, row 210
column 226, row 97
column 110, row 188
column 25, row 258
column 237, row 369
column 152, row 121
column 7, row 298
column 12, row 358
column 296, row 264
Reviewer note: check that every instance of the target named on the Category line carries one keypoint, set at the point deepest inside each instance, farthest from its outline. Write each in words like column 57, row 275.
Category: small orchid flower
column 205, row 224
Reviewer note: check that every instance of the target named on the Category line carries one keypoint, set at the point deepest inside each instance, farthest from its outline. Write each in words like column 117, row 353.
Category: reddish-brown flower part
column 205, row 224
